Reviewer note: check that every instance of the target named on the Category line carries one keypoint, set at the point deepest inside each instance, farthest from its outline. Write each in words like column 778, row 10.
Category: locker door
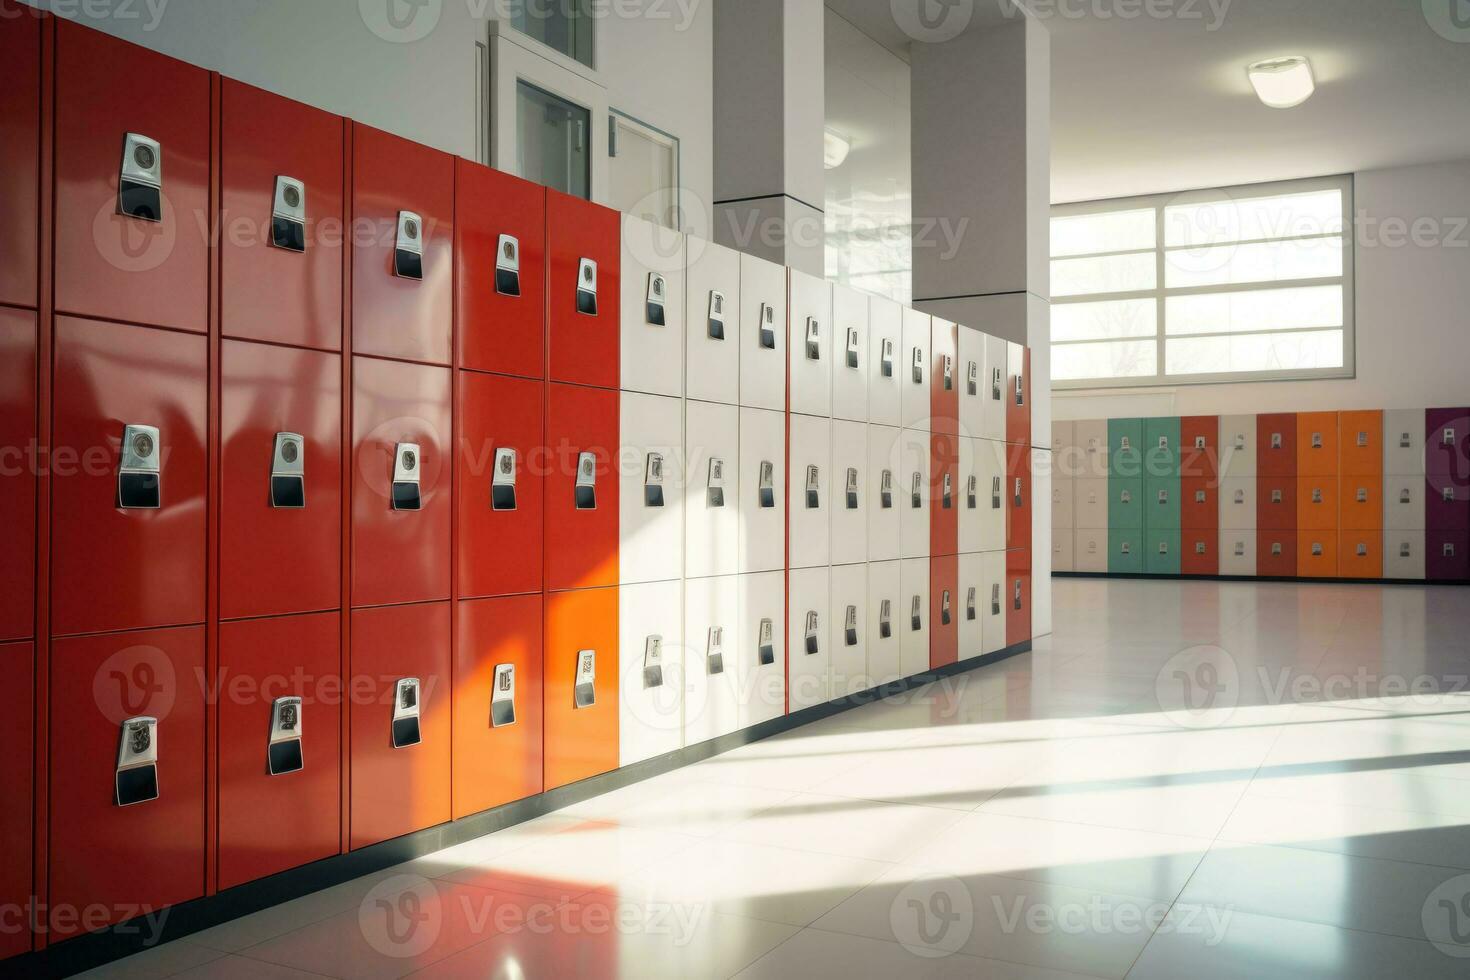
column 945, row 377
column 581, row 541
column 1238, row 446
column 713, row 489
column 1317, row 505
column 1403, row 555
column 128, row 568
column 277, row 558
column 1126, row 551
column 404, row 192
column 389, row 645
column 1161, row 503
column 885, row 362
column 995, row 505
column 809, row 638
column 1018, row 395
column 17, row 729
column 500, row 513
column 1238, row 552
column 1446, row 555
column 718, row 658
column 712, row 323
column 1161, row 551
column 762, row 490
column 1161, row 448
column 1126, row 503
column 270, row 823
column 280, row 280
column 1092, row 446
column 946, row 492
column 582, row 250
column 1360, row 553
column 761, row 661
column 993, row 603
column 913, row 629
column 653, row 308
column 1199, row 447
column 1361, row 501
column 1091, row 503
column 813, row 486
column 1446, row 502
column 500, row 258
column 18, row 488
column 946, row 610
column 970, row 379
column 1403, row 502
column 1238, row 506
column 850, row 492
column 885, row 615
column 814, row 345
column 848, row 615
column 149, row 853
column 971, row 600
column 850, row 341
column 915, row 484
column 1360, row 442
column 581, row 741
column 1403, row 441
column 884, row 489
column 1125, row 449
column 994, row 411
column 152, row 268
column 1090, row 550
column 497, row 713
column 1199, row 503
column 651, row 495
column 1276, row 554
column 762, row 334
column 1276, row 455
column 651, row 662
column 1018, row 600
column 915, row 366
column 1316, row 555
column 400, row 554
column 1317, row 444
column 972, row 496
column 1446, row 442
column 1200, row 553
column 1276, row 502
column 20, row 134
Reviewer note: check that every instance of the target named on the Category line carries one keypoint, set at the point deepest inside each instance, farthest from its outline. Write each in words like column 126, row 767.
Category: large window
column 1244, row 283
column 562, row 25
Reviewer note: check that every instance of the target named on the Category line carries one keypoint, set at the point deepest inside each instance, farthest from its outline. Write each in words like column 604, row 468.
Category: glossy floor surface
column 1187, row 780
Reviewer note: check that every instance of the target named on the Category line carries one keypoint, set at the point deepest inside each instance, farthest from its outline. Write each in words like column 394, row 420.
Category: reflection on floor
column 1188, row 780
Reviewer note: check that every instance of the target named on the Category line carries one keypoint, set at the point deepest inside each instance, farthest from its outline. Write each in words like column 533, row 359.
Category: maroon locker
column 129, row 266
column 18, row 735
column 115, row 858
column 581, row 541
column 20, row 134
column 277, row 557
column 1016, row 594
column 137, row 566
column 281, row 220
column 583, row 317
column 500, row 252
column 500, row 512
column 400, row 554
column 18, row 473
column 946, row 606
column 402, row 201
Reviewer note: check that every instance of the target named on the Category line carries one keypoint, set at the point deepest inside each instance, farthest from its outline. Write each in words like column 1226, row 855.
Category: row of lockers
column 1352, row 554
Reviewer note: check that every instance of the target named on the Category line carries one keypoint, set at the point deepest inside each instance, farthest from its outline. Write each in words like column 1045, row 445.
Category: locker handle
column 503, row 699
column 768, row 327
column 508, row 266
column 408, row 251
column 716, row 318
column 653, row 481
column 140, row 180
column 503, row 483
column 715, row 650
column 288, row 215
column 139, row 475
column 284, row 754
column 587, row 287
column 585, row 491
column 584, row 690
column 657, row 297
column 653, row 661
column 288, row 472
column 406, row 730
column 406, row 470
column 136, row 777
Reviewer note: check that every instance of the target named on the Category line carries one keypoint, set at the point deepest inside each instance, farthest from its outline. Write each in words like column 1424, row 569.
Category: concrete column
column 770, row 108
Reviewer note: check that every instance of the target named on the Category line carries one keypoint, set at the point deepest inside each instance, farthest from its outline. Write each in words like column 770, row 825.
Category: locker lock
column 716, row 319
column 288, row 215
column 1406, row 496
column 1240, row 440
column 406, row 470
column 885, row 618
column 918, row 365
column 653, row 661
column 1126, row 548
column 1163, row 498
column 813, row 623
column 138, row 477
column 1316, row 440
column 408, row 252
column 653, row 481
column 1406, row 441
column 767, row 484
column 715, row 650
column 587, row 287
column 947, row 372
column 945, row 615
column 1240, row 496
column 1019, row 500
column 768, row 326
column 995, row 384
column 406, row 730
column 946, row 492
column 1449, row 549
column 1276, row 441
column 1405, row 550
column 1016, row 601
column 140, row 183
column 886, row 368
column 584, row 691
column 1200, row 496
column 1163, row 547
column 995, row 493
column 585, row 493
column 1316, row 495
column 1240, row 549
column 1125, row 496
column 1362, row 549
column 813, row 339
column 1199, row 442
column 766, row 644
column 716, row 492
column 852, row 488
column 136, row 779
column 1316, row 549
column 657, row 299
column 970, row 605
column 1125, row 443
column 1020, row 390
column 850, row 627
column 916, row 492
column 1449, row 436
column 916, row 614
column 284, row 754
column 1199, row 547
column 508, row 266
column 885, row 490
column 503, row 698
column 1276, row 549
column 503, row 483
column 852, row 347
column 1362, row 440
column 972, row 379
column 813, row 487
column 1164, row 443
column 1449, row 494
column 972, row 492
column 995, row 599
column 1276, row 497
column 288, row 472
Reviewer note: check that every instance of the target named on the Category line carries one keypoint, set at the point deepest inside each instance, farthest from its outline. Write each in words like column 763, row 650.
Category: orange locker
column 1317, row 448
column 400, row 704
column 17, row 471
column 581, row 488
column 945, row 380
column 1316, row 551
column 1276, row 554
column 1360, row 554
column 1016, row 594
column 1017, row 500
column 500, row 474
column 500, row 254
column 1276, row 453
column 946, row 608
column 1276, row 502
column 583, row 291
column 1317, row 503
column 945, row 493
column 20, row 134
column 1361, row 502
column 279, row 763
column 1200, row 554
column 1018, row 395
column 581, row 693
column 497, row 702
column 18, row 734
column 1360, row 442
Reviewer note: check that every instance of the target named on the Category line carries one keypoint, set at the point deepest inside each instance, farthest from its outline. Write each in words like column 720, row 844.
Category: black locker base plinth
column 1295, row 579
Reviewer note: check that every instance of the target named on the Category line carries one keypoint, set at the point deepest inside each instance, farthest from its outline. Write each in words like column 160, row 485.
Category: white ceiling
column 1149, row 105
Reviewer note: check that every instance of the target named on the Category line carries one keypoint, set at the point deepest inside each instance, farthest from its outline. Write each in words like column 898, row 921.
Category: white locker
column 652, row 308
column 762, row 334
column 1237, row 446
column 1063, row 504
column 712, row 323
column 885, row 362
column 971, row 380
column 970, row 606
column 914, row 493
column 884, row 637
column 916, row 367
column 1403, row 502
column 712, row 489
column 849, row 492
column 944, row 359
column 810, row 638
column 885, row 492
column 812, row 490
column 651, row 497
column 911, row 618
column 849, row 630
column 993, row 497
column 1091, row 438
column 1403, row 553
column 713, row 645
column 1061, row 551
column 849, row 361
column 993, row 413
column 651, row 669
column 813, row 345
column 972, row 495
column 1090, row 550
column 1404, row 432
column 993, row 603
column 1238, row 551
column 1063, row 436
column 1090, row 502
column 762, row 490
column 1238, row 503
column 760, row 663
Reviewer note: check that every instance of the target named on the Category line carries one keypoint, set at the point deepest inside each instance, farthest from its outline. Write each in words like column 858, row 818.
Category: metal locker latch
column 1124, row 443
column 996, row 383
column 1239, row 440
column 886, row 363
column 1316, row 440
column 1163, row 547
column 972, row 492
column 812, row 624
column 1449, row 549
column 1125, row 496
column 288, row 215
column 140, row 184
column 653, row 661
column 918, row 365
column 715, row 650
column 1199, row 496
column 408, row 250
column 852, row 347
column 995, row 493
column 716, row 493
column 970, row 605
column 850, row 627
column 995, row 599
column 813, row 339
column 1019, row 501
column 916, row 492
column 136, row 778
column 1362, row 549
column 406, row 730
column 406, row 477
column 503, row 699
column 885, row 619
column 852, row 488
column 586, row 488
column 503, row 482
column 1316, row 495
column 1276, row 497
column 1406, row 496
column 1020, row 390
column 1017, row 600
column 945, row 614
column 1164, row 443
column 584, row 690
column 813, row 487
column 1449, row 436
column 508, row 266
column 1316, row 550
column 587, row 287
column 768, row 326
column 653, row 481
column 1163, row 497
column 1199, row 547
column 285, row 755
column 916, row 614
column 1199, row 442
column 657, row 297
column 1362, row 440
column 288, row 472
column 1449, row 494
column 766, row 645
column 947, row 372
column 1240, row 549
column 716, row 320
column 972, row 379
column 1405, row 551
column 1276, row 549
column 1406, row 441
column 946, row 492
column 139, row 480
column 1240, row 496
column 767, row 484
column 1127, row 547
column 1276, row 441
column 885, row 490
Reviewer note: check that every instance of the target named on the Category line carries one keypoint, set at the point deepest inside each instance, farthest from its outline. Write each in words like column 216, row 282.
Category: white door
column 651, row 666
column 885, row 362
column 712, row 489
column 849, row 619
column 812, row 347
column 762, row 490
column 652, row 355
column 850, row 369
column 651, row 482
column 885, row 636
column 760, row 663
column 810, row 637
column 762, row 334
column 850, row 486
column 913, row 616
column 714, row 646
column 914, row 493
column 712, row 322
column 812, row 488
column 916, row 369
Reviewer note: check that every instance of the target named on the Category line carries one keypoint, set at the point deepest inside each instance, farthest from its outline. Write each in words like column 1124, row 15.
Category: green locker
column 1126, row 503
column 1161, row 552
column 1161, row 503
column 1125, row 448
column 1125, row 551
column 1161, row 448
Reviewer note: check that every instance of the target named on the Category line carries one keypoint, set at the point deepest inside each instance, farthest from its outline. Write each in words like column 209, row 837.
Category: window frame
column 1161, row 293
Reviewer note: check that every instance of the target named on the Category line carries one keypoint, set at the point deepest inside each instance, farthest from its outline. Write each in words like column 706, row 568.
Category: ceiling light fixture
column 1282, row 82
column 835, row 149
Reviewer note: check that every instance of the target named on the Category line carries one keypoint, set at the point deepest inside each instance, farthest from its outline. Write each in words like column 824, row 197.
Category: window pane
column 1219, row 221
column 1111, row 274
column 1313, row 258
column 564, row 26
column 1107, row 320
column 551, row 137
column 1114, row 231
column 1255, row 352
column 1115, row 359
column 1265, row 309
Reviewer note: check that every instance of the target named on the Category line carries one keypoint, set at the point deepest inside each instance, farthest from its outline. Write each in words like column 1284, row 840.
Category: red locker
column 1017, row 500
column 127, row 568
column 1276, row 506
column 17, row 471
column 148, row 854
column 109, row 264
column 581, row 540
column 500, row 252
column 1276, row 445
column 396, row 791
column 1200, row 555
column 500, row 513
column 581, row 732
column 945, row 378
column 1017, row 597
column 1199, row 446
column 1018, row 394
column 1200, row 505
column 946, row 607
column 20, row 134
column 277, row 558
column 1276, row 553
column 269, row 823
column 1199, row 468
column 402, row 200
column 497, row 757
column 946, row 494
column 270, row 290
column 400, row 554
column 17, row 734
column 582, row 324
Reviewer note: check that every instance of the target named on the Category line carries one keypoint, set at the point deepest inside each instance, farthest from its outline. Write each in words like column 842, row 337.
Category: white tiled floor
column 1115, row 804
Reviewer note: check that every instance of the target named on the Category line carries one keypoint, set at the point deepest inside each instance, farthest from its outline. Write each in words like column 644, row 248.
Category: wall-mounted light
column 835, row 149
column 1282, row 82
